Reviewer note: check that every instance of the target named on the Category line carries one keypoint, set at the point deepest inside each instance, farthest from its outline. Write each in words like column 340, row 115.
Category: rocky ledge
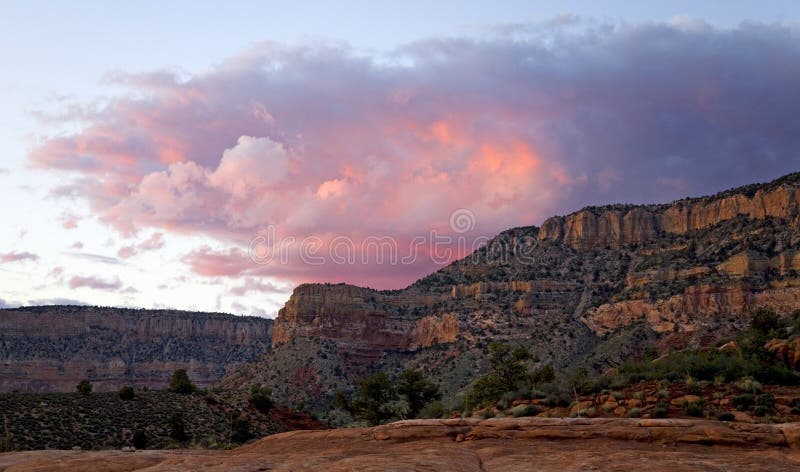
column 472, row 445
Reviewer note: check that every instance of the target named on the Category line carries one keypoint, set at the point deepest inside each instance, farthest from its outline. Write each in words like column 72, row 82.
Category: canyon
column 589, row 289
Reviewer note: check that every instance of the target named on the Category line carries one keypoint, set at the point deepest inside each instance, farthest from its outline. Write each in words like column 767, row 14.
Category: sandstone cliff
column 363, row 322
column 611, row 227
column 52, row 348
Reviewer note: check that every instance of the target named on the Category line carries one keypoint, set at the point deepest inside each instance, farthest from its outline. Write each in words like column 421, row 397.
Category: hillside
column 34, row 421
column 591, row 289
column 52, row 348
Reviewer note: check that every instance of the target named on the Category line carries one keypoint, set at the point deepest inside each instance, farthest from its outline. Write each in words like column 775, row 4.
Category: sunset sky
column 158, row 155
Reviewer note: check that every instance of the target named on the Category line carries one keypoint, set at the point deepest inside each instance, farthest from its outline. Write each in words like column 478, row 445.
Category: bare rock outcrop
column 687, row 311
column 557, row 444
column 362, row 321
column 598, row 228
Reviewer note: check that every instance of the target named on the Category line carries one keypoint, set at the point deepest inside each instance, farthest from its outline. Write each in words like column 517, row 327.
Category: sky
column 203, row 156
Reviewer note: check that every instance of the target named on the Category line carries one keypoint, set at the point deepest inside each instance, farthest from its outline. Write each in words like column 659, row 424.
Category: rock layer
column 699, row 305
column 363, row 322
column 46, row 349
column 598, row 227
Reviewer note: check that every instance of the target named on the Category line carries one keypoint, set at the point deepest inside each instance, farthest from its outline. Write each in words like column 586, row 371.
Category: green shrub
column 726, row 416
column 180, row 382
column 486, row 390
column 760, row 410
column 743, row 402
column 126, row 393
column 525, row 410
column 84, row 387
column 418, row 392
column 634, row 413
column 543, row 375
column 177, row 427
column 711, row 366
column 748, row 384
column 661, row 410
column 240, row 429
column 432, row 410
column 695, row 408
column 140, row 439
column 766, row 400
column 692, row 386
column 557, row 399
column 486, row 414
column 260, row 398
column 374, row 396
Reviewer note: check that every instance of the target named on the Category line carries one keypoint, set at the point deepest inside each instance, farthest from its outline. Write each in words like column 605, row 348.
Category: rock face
column 597, row 228
column 363, row 322
column 689, row 311
column 787, row 350
column 44, row 349
column 548, row 444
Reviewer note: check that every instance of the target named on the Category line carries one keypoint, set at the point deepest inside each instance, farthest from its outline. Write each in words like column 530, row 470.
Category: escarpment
column 362, row 321
column 52, row 348
column 614, row 227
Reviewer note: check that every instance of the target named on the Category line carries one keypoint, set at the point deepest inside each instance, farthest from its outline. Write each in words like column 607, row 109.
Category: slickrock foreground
column 471, row 445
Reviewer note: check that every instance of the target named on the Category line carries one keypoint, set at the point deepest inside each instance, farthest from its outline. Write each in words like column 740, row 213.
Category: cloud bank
column 324, row 141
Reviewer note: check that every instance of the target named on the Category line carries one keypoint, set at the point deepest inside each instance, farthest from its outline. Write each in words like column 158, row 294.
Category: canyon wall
column 610, row 227
column 363, row 322
column 53, row 348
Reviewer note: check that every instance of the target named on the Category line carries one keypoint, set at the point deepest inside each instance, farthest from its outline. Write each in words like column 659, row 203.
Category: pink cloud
column 231, row 263
column 69, row 221
column 17, row 257
column 126, row 251
column 322, row 142
column 255, row 285
column 95, row 283
column 154, row 242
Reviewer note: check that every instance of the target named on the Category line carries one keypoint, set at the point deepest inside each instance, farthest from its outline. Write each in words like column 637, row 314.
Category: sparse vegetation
column 84, row 387
column 240, row 429
column 377, row 396
column 140, row 439
column 180, row 382
column 177, row 427
column 260, row 398
column 126, row 393
column 97, row 421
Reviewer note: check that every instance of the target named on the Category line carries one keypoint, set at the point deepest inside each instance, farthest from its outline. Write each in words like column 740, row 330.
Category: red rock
column 490, row 445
